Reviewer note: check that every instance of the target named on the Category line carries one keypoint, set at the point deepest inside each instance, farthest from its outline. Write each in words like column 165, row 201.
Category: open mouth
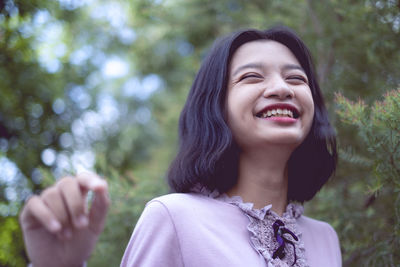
column 270, row 112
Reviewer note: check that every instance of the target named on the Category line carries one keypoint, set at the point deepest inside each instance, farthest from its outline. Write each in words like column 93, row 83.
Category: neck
column 263, row 178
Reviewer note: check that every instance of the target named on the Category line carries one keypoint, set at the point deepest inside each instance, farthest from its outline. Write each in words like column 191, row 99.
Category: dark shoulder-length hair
column 208, row 154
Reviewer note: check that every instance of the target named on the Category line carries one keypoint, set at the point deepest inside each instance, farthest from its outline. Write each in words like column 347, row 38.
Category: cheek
column 307, row 104
column 233, row 116
column 229, row 111
column 237, row 112
column 311, row 104
column 308, row 101
column 311, row 110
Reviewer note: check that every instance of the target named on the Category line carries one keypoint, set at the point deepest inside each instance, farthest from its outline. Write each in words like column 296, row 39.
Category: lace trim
column 260, row 227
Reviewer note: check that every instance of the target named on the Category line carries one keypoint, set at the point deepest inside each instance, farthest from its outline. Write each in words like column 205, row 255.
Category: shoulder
column 186, row 211
column 318, row 230
column 314, row 225
column 155, row 240
column 176, row 200
column 179, row 210
column 321, row 239
column 182, row 204
column 162, row 213
column 172, row 225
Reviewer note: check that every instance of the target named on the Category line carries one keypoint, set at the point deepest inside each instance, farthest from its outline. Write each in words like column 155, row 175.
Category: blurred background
column 99, row 85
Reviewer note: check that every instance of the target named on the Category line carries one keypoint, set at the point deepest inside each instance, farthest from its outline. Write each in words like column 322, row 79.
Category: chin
column 288, row 142
column 290, row 138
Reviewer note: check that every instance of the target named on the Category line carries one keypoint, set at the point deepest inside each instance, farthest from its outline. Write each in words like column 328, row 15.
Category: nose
column 278, row 88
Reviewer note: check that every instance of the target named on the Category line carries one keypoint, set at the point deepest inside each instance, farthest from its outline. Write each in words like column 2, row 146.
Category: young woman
column 255, row 143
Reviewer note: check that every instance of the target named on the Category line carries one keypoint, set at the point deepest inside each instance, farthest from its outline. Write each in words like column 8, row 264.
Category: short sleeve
column 154, row 241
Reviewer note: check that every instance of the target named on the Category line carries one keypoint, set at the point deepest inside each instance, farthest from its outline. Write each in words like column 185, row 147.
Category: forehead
column 266, row 52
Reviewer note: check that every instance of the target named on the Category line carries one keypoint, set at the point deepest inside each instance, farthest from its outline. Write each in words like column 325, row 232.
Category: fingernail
column 82, row 221
column 97, row 182
column 54, row 226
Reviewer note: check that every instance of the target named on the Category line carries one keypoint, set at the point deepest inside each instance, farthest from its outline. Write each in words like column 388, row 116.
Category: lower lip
column 286, row 120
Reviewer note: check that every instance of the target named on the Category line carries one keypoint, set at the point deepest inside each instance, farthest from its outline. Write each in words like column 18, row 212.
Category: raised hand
column 58, row 228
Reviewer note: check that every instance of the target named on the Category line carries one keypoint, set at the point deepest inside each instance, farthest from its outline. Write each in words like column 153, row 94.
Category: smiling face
column 269, row 101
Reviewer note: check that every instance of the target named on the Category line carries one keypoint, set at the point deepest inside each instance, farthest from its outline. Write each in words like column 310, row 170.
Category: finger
column 91, row 181
column 98, row 210
column 74, row 199
column 53, row 199
column 37, row 214
column 101, row 201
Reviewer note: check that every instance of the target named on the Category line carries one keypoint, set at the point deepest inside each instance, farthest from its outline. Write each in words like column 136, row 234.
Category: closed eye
column 250, row 76
column 297, row 78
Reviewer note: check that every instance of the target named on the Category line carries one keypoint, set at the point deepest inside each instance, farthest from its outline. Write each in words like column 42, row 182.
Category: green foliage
column 379, row 129
column 11, row 245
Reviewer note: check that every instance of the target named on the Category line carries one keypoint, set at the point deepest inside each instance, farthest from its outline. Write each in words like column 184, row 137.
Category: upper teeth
column 277, row 112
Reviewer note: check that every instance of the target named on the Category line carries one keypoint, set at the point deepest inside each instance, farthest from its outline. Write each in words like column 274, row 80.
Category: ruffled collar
column 293, row 210
column 262, row 235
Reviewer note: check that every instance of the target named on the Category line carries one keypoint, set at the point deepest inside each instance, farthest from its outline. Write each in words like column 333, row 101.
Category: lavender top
column 208, row 229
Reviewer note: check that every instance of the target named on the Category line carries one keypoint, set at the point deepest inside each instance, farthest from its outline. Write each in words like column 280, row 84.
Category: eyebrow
column 260, row 66
column 293, row 67
column 248, row 66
